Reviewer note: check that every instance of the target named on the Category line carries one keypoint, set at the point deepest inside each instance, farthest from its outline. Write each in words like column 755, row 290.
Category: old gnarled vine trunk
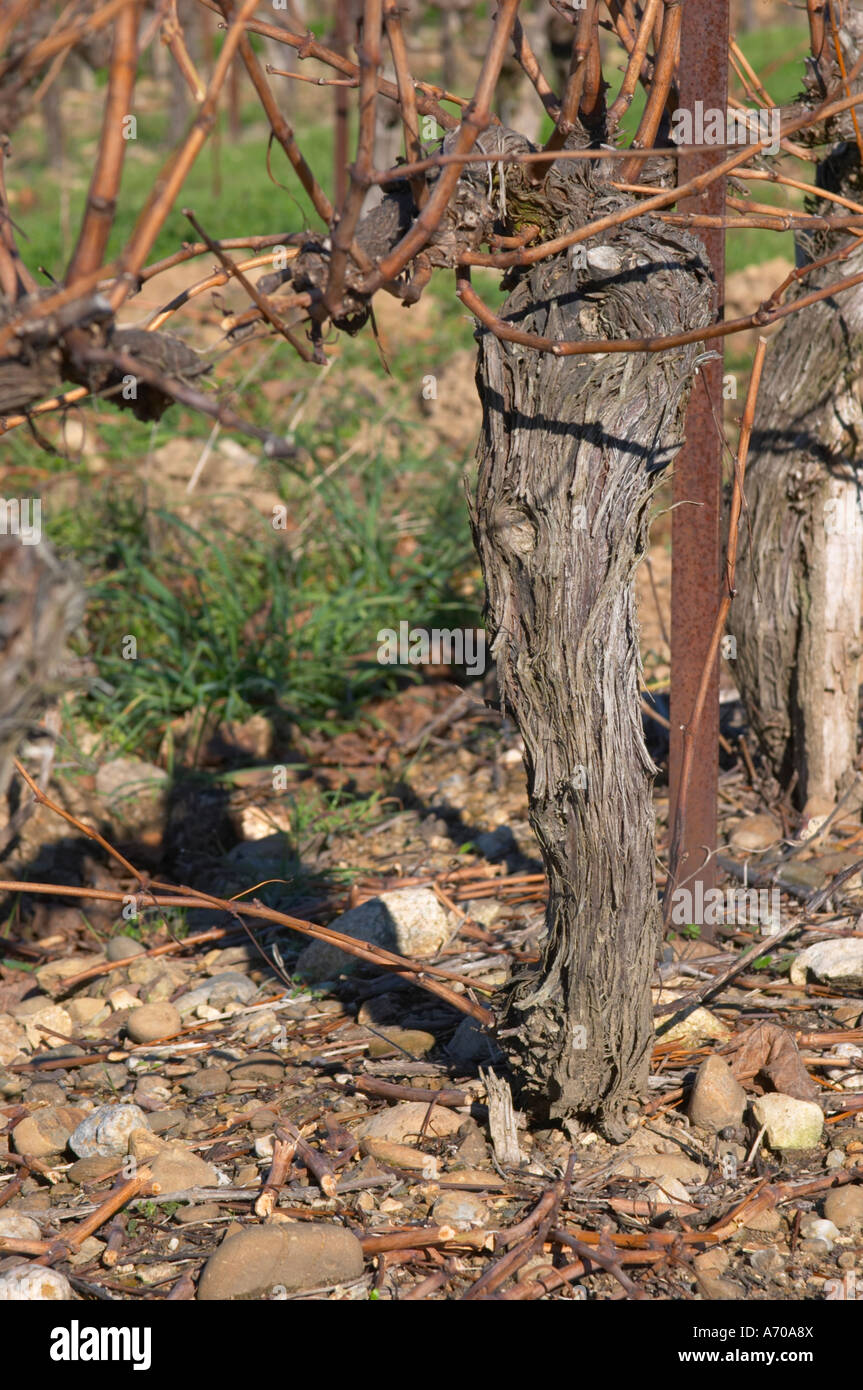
column 796, row 618
column 570, row 450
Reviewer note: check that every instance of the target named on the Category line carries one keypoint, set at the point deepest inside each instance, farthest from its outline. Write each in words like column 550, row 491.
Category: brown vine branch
column 174, row 40
column 407, row 95
column 281, row 129
column 28, row 62
column 105, row 184
column 575, row 82
column 528, row 62
column 424, row 976
column 428, row 96
column 274, row 447
column 761, row 318
column 263, row 304
column 634, row 67
column 369, row 54
column 173, row 175
column 663, row 79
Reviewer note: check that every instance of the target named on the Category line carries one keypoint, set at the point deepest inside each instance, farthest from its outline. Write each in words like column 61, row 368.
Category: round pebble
column 461, row 1210
column 121, row 947
column 45, row 1093
column 844, row 1206
column 153, row 1021
column 209, row 1081
column 260, row 1066
column 176, row 1170
column 47, row 1130
column 203, row 1211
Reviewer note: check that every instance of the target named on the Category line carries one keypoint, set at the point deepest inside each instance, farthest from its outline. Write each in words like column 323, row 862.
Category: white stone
column 28, row 1282
column 409, row 921
column 789, row 1123
column 817, row 1228
column 105, row 1132
column 837, row 962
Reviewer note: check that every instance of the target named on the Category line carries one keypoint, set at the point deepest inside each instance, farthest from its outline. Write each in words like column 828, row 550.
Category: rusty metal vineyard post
column 703, row 76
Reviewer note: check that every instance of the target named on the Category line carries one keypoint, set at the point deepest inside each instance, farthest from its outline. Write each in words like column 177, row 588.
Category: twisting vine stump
column 584, row 379
column 570, row 451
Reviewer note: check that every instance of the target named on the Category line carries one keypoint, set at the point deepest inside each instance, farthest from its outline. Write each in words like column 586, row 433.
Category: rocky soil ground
column 205, row 1111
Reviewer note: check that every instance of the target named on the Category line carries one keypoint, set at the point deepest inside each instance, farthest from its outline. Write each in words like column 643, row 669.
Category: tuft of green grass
column 233, row 620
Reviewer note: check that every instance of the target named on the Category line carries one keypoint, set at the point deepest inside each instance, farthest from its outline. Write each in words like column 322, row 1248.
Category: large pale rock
column 765, row 1223
column 410, row 921
column 209, row 1081
column 483, row 910
column 717, row 1099
column 51, row 976
column 713, row 1261
column 29, row 1282
column 260, row 1066
column 267, row 1261
column 41, row 1019
column 92, row 1170
column 819, row 1228
column 157, row 977
column 85, row 1011
column 837, row 962
column 122, row 947
column 144, row 1145
column 226, row 988
column 481, row 1177
column 668, row 1190
column 790, row 1123
column 106, row 1131
column 404, row 1121
column 717, row 1290
column 412, row 1041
